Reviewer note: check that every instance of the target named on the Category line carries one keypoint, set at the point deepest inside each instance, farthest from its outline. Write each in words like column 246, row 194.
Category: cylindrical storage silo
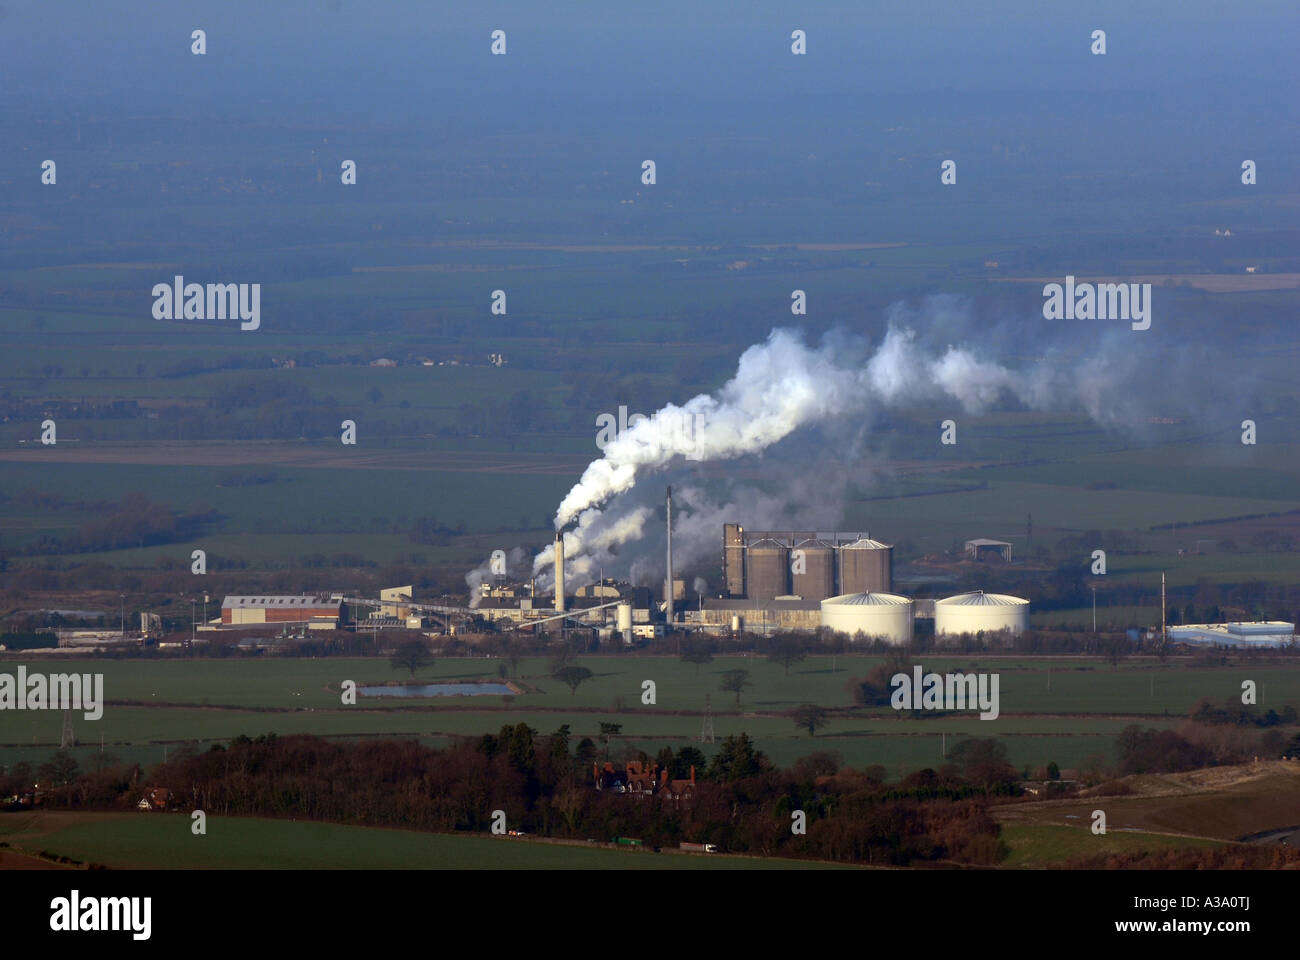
column 767, row 570
column 973, row 612
column 735, row 623
column 884, row 615
column 624, row 614
column 866, row 566
column 812, row 569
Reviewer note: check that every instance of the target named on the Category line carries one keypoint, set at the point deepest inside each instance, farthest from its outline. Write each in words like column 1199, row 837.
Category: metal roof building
column 1262, row 633
column 981, row 548
column 279, row 609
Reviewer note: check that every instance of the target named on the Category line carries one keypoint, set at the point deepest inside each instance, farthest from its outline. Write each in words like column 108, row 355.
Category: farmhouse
column 644, row 780
column 155, row 798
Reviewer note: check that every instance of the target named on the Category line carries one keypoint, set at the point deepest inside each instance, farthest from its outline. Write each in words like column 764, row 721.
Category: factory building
column 779, row 579
column 512, row 606
column 980, row 611
column 733, row 560
column 783, row 613
column 391, row 606
column 282, row 609
column 884, row 615
column 607, row 589
column 1262, row 633
column 761, row 565
column 507, row 607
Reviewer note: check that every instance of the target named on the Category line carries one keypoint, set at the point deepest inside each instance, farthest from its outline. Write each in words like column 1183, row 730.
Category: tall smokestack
column 1164, row 631
column 668, row 592
column 559, row 573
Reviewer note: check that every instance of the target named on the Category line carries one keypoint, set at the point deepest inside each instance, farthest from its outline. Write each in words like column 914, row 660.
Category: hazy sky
column 380, row 55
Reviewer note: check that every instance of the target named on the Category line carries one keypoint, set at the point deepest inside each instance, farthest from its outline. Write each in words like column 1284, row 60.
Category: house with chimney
column 643, row 779
column 155, row 798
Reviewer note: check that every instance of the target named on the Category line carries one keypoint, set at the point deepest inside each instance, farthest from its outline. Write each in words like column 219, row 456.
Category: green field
column 331, row 509
column 300, row 502
column 159, row 840
column 1000, row 509
column 1041, row 845
column 1066, row 709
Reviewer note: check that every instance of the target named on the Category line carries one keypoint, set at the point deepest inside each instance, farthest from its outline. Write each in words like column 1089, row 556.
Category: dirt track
column 1221, row 803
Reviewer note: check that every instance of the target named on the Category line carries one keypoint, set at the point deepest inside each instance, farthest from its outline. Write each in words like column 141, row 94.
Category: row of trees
column 544, row 785
column 1234, row 712
column 1194, row 745
column 134, row 521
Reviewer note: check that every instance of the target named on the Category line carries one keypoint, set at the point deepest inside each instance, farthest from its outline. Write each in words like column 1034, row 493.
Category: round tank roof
column 868, row 600
column 768, row 544
column 981, row 599
column 865, row 544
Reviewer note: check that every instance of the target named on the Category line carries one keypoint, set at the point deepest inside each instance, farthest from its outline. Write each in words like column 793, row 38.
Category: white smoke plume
column 589, row 545
column 603, row 540
column 483, row 573
column 781, row 388
column 778, row 386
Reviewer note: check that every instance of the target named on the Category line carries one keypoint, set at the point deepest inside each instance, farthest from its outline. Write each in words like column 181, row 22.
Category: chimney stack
column 559, row 572
column 668, row 591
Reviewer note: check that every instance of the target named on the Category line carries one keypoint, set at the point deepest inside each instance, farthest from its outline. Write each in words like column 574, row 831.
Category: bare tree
column 411, row 654
column 573, row 677
column 698, row 652
column 809, row 716
column 787, row 651
column 735, row 681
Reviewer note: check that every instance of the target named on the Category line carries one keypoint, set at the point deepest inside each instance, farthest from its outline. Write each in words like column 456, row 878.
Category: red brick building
column 280, row 609
column 644, row 780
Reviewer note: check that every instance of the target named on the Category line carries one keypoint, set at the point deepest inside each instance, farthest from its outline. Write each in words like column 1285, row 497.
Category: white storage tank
column 973, row 612
column 885, row 615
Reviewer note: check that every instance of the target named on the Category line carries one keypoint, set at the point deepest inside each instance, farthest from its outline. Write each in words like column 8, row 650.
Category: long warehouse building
column 281, row 609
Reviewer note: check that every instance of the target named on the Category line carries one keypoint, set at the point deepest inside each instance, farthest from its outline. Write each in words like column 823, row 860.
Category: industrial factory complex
column 803, row 580
column 771, row 581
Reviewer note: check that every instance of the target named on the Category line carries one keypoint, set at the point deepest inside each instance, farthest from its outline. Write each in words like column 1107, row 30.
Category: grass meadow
column 1066, row 709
